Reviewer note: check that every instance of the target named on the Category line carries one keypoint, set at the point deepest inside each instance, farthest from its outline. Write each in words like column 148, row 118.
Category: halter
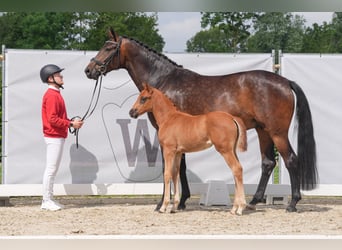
column 103, row 65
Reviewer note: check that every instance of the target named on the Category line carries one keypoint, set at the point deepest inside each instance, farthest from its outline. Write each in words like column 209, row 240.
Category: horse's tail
column 306, row 148
column 241, row 143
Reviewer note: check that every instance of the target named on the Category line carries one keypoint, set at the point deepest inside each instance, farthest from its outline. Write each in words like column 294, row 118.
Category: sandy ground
column 89, row 215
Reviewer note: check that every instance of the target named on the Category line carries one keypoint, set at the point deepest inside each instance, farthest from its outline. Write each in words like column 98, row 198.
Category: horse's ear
column 112, row 35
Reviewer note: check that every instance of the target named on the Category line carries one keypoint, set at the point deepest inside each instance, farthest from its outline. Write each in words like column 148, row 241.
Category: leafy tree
column 336, row 37
column 74, row 30
column 43, row 30
column 228, row 31
column 317, row 39
column 212, row 40
column 132, row 24
column 276, row 30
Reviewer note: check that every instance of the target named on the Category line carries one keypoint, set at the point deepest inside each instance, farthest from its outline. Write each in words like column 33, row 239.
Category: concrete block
column 217, row 194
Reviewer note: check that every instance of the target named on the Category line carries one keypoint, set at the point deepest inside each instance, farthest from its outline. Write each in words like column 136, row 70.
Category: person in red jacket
column 55, row 129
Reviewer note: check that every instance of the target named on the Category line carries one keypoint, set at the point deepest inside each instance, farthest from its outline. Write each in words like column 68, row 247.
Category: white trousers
column 54, row 152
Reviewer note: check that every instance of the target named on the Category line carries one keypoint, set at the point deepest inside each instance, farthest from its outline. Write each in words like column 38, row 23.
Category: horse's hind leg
column 291, row 163
column 267, row 166
column 184, row 184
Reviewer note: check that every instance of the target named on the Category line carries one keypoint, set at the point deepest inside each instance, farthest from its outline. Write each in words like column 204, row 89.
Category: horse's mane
column 153, row 51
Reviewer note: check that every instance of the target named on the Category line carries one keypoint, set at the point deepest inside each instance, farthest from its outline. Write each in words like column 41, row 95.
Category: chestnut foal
column 180, row 133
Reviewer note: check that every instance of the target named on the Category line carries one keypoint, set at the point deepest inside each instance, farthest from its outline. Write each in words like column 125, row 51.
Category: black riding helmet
column 49, row 70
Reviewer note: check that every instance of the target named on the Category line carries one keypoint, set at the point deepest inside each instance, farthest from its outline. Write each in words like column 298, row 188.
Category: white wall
column 102, row 153
column 321, row 80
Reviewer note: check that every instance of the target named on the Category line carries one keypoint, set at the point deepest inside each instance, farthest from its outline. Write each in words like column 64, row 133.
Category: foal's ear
column 112, row 35
column 147, row 87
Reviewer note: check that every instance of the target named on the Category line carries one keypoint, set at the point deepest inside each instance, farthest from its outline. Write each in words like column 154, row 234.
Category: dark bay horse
column 180, row 133
column 264, row 101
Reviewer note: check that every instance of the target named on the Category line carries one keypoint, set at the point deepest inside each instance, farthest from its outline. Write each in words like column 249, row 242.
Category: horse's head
column 144, row 102
column 107, row 59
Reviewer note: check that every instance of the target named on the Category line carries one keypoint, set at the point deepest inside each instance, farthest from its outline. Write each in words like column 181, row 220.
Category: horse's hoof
column 181, row 207
column 291, row 209
column 240, row 210
column 250, row 207
column 173, row 211
column 157, row 207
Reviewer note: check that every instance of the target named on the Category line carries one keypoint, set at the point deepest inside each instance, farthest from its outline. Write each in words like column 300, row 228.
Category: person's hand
column 77, row 123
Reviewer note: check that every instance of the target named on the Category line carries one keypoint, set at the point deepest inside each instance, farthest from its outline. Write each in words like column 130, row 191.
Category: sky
column 178, row 27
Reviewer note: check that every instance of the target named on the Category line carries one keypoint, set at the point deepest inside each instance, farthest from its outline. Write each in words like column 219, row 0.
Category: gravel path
column 91, row 215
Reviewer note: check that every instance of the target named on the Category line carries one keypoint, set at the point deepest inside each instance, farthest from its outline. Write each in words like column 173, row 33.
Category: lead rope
column 88, row 113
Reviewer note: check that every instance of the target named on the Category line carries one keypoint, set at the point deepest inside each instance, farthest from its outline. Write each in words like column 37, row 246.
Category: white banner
column 320, row 78
column 113, row 148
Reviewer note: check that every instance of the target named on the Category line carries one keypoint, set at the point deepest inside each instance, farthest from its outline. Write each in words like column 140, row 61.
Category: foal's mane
column 163, row 95
column 158, row 54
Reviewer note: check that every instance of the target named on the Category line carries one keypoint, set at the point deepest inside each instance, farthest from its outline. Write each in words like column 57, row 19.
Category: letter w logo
column 140, row 132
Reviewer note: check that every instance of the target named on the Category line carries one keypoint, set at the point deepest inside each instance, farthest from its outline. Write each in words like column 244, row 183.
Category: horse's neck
column 144, row 65
column 163, row 108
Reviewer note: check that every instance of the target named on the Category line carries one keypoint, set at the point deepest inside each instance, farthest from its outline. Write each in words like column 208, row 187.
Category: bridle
column 103, row 65
column 102, row 70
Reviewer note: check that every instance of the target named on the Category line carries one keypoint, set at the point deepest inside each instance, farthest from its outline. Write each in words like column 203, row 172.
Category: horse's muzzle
column 134, row 113
column 92, row 73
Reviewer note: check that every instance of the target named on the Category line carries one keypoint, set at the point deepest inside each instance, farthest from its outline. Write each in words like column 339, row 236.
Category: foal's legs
column 267, row 166
column 169, row 158
column 175, row 180
column 239, row 199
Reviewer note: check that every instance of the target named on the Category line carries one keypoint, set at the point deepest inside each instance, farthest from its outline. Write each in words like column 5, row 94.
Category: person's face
column 58, row 78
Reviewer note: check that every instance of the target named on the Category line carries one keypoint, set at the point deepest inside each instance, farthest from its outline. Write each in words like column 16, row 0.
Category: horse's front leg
column 175, row 179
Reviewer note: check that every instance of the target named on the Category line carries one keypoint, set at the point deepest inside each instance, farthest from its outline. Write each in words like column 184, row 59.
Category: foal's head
column 144, row 103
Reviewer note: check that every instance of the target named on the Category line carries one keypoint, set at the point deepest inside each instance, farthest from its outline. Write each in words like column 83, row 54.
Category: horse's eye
column 110, row 48
column 143, row 99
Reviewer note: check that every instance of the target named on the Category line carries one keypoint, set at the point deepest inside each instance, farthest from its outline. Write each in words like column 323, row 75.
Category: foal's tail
column 306, row 141
column 241, row 143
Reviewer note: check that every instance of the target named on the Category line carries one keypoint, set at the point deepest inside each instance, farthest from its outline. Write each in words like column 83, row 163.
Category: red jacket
column 54, row 115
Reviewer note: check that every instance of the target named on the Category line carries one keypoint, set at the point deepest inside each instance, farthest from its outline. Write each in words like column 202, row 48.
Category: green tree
column 277, row 30
column 336, row 34
column 137, row 25
column 212, row 40
column 43, row 30
column 74, row 30
column 318, row 39
column 228, row 31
